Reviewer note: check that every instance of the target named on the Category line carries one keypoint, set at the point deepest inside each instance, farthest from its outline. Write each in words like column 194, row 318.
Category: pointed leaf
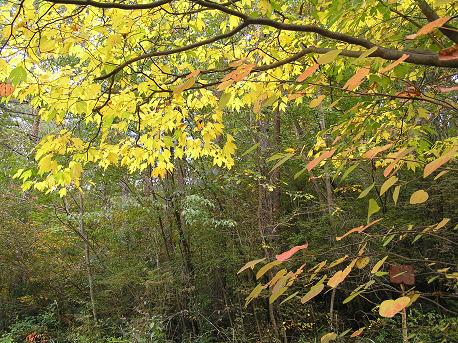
column 387, row 184
column 287, row 254
column 327, row 154
column 250, row 264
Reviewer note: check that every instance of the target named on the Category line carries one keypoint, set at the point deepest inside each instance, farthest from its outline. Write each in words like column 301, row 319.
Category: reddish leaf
column 287, row 254
column 398, row 156
column 447, row 89
column 312, row 164
column 430, row 27
column 449, row 54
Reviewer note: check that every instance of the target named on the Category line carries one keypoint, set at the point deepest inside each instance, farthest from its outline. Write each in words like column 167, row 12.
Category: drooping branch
column 172, row 51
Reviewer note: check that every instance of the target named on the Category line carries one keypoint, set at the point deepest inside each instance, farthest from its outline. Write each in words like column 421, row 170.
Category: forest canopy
column 228, row 171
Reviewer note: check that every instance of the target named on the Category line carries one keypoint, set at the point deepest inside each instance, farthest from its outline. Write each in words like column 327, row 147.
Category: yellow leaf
column 328, row 57
column 331, row 336
column 387, row 184
column 266, row 268
column 317, row 101
column 396, row 191
column 418, row 197
column 362, row 262
column 378, row 265
column 313, row 292
column 250, row 264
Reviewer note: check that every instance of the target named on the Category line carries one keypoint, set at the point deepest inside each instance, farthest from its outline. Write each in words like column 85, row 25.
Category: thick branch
column 118, row 5
column 431, row 16
column 172, row 51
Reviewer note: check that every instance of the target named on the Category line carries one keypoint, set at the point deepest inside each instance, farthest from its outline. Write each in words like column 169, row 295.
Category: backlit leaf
column 328, row 57
column 313, row 292
column 287, row 254
column 356, row 79
column 266, row 268
column 389, row 308
column 378, row 265
column 387, row 184
column 437, row 163
column 327, row 154
column 430, row 27
column 394, row 64
column 309, row 71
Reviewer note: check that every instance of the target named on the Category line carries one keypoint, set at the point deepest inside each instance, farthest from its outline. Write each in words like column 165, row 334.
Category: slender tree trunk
column 87, row 256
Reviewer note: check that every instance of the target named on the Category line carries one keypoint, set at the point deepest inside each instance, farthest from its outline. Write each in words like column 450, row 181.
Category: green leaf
column 328, row 57
column 18, row 75
column 253, row 148
column 372, row 209
column 366, row 191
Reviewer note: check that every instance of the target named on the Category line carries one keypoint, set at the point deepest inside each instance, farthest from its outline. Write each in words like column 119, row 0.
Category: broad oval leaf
column 419, row 197
column 389, row 308
column 387, row 184
column 317, row 101
column 331, row 336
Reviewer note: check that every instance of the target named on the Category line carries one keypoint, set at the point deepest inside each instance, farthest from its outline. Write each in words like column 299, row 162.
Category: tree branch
column 172, row 51
column 111, row 4
column 431, row 16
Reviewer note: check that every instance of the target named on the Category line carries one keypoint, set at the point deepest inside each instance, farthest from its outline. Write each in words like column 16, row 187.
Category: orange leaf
column 370, row 154
column 394, row 64
column 309, row 71
column 312, row 164
column 389, row 308
column 359, row 229
column 430, row 27
column 356, row 79
column 432, row 166
column 400, row 154
column 193, row 74
column 6, row 89
column 358, row 332
column 287, row 254
column 447, row 89
column 339, row 276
